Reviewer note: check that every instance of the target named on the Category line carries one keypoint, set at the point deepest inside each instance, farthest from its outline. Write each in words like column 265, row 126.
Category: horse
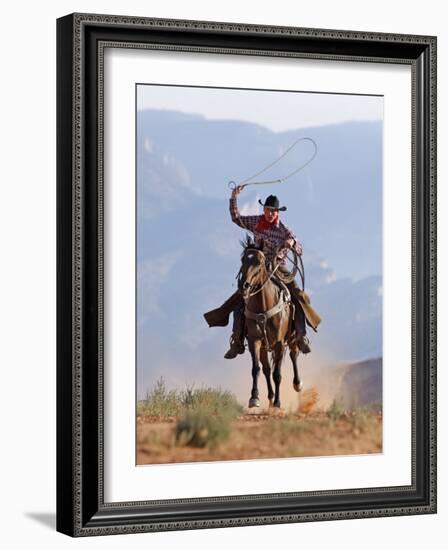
column 268, row 315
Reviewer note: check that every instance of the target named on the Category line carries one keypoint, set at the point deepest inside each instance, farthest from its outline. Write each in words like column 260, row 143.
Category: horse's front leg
column 267, row 372
column 254, row 348
column 277, row 375
column 293, row 354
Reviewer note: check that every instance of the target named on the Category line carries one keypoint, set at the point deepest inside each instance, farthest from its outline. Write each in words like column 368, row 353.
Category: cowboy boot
column 237, row 338
column 299, row 325
column 304, row 343
column 219, row 317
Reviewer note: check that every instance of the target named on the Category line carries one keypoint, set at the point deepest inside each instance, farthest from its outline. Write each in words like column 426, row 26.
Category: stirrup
column 304, row 344
column 236, row 348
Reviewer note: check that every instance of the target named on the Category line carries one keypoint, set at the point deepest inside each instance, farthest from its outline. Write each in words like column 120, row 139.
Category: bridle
column 248, row 286
column 262, row 318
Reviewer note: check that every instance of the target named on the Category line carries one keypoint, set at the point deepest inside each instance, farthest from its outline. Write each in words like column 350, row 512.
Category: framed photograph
column 246, row 274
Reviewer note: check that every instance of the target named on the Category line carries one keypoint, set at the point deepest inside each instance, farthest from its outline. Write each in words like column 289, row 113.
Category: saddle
column 300, row 297
column 219, row 317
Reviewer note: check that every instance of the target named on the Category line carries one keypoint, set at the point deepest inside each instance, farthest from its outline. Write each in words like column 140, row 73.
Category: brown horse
column 268, row 314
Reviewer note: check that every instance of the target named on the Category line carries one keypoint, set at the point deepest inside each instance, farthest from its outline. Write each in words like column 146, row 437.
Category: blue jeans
column 299, row 316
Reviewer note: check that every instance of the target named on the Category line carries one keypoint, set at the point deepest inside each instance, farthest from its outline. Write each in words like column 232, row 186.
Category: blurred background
column 190, row 143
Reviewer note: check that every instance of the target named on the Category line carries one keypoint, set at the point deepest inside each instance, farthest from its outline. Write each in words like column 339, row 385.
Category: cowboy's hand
column 237, row 190
column 294, row 245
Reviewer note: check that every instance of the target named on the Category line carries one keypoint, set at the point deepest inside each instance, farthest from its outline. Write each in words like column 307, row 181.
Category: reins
column 270, row 275
column 261, row 318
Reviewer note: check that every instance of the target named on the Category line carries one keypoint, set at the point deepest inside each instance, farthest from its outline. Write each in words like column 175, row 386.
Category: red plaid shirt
column 272, row 238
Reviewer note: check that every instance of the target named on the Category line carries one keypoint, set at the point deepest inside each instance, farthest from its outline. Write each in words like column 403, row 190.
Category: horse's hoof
column 298, row 387
column 254, row 402
column 277, row 404
column 271, row 404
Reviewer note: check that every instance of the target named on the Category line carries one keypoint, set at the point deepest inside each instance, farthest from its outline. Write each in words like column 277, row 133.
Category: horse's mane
column 248, row 242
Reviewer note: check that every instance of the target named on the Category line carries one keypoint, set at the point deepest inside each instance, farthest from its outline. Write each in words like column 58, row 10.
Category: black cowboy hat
column 273, row 203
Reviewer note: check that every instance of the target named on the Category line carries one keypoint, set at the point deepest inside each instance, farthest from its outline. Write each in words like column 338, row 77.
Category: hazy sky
column 334, row 206
column 278, row 111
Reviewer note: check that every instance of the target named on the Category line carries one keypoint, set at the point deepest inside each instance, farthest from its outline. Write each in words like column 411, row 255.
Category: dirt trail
column 266, row 435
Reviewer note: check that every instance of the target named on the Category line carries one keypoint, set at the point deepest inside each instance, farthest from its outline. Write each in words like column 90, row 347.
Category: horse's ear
column 262, row 245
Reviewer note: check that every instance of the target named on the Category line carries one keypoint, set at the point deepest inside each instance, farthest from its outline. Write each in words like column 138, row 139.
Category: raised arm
column 246, row 222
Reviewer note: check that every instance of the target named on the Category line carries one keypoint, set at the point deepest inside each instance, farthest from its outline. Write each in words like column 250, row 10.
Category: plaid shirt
column 273, row 238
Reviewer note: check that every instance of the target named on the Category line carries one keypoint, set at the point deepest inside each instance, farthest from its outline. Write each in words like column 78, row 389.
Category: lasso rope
column 232, row 184
column 270, row 275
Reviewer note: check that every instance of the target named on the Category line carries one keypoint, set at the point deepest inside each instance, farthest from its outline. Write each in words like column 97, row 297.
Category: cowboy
column 276, row 236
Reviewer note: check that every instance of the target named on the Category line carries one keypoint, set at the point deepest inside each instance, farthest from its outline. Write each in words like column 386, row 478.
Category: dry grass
column 203, row 416
column 199, row 428
column 267, row 436
column 212, row 426
column 162, row 403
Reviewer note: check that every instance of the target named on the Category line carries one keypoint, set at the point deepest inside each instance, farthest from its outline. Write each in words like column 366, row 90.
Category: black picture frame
column 81, row 510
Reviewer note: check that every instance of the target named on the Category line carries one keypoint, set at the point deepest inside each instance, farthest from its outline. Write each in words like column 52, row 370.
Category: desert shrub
column 207, row 416
column 160, row 401
column 336, row 410
column 359, row 419
column 211, row 400
column 198, row 428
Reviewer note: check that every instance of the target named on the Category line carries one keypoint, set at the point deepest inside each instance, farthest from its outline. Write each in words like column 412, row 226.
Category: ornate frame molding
column 81, row 42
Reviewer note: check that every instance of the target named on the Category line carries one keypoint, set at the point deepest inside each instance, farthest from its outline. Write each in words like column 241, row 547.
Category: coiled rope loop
column 245, row 183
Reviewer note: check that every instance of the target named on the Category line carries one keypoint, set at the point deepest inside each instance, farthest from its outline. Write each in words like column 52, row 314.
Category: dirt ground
column 266, row 434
